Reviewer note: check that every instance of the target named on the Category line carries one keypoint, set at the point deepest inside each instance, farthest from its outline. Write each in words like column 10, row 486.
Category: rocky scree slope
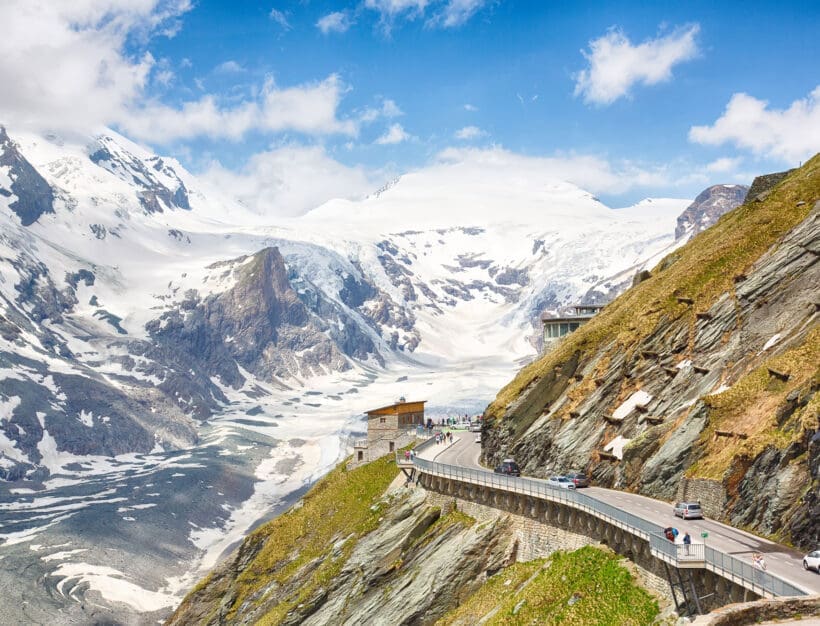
column 701, row 381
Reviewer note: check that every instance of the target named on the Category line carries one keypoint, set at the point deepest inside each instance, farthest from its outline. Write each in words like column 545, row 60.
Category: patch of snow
column 773, row 340
column 112, row 585
column 638, row 399
column 616, row 446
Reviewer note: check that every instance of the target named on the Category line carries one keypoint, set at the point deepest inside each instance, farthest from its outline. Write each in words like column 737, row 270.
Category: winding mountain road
column 780, row 560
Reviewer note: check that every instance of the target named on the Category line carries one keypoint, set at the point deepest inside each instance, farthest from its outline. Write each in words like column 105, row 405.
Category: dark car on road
column 509, row 467
column 579, row 479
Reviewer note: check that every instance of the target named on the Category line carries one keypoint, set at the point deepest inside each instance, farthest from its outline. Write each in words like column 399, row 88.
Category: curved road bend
column 780, row 560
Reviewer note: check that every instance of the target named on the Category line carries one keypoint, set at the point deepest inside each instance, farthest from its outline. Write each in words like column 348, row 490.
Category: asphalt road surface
column 780, row 560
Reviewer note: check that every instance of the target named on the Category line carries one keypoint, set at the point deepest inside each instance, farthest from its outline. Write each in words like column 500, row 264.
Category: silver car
column 560, row 481
column 812, row 561
column 688, row 510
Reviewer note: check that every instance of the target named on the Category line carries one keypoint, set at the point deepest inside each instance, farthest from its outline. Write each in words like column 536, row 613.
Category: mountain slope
column 699, row 382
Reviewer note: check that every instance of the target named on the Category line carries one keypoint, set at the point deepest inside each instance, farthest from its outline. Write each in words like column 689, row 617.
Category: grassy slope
column 607, row 594
column 339, row 507
column 703, row 270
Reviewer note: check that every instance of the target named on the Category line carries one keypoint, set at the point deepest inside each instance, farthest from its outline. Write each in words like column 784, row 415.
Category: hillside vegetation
column 703, row 269
column 587, row 586
column 722, row 342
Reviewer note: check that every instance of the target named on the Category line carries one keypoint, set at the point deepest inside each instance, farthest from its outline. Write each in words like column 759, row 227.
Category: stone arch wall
column 542, row 527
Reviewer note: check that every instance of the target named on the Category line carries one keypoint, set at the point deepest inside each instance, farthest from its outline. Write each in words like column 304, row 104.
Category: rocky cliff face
column 33, row 195
column 710, row 204
column 411, row 561
column 706, row 370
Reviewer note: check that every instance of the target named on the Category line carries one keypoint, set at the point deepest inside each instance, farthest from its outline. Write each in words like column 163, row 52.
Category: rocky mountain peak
column 18, row 178
column 159, row 185
column 710, row 204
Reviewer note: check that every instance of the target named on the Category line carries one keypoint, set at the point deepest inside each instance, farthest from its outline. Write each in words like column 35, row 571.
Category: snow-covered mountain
column 174, row 366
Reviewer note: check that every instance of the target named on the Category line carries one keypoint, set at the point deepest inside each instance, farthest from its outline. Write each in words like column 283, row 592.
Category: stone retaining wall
column 538, row 540
column 763, row 610
column 543, row 526
column 710, row 493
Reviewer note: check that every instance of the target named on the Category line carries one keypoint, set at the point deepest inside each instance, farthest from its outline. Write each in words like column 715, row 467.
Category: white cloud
column 591, row 173
column 280, row 18
column 388, row 109
column 443, row 13
column 470, row 132
column 395, row 134
column 63, row 63
column 336, row 22
column 70, row 71
column 723, row 165
column 615, row 65
column 291, row 180
column 470, row 107
column 310, row 108
column 457, row 12
column 792, row 134
column 229, row 67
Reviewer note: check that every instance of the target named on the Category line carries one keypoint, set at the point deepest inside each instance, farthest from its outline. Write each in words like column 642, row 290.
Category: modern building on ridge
column 559, row 326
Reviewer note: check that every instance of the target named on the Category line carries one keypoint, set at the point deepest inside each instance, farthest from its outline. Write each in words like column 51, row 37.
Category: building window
column 392, row 446
column 382, row 420
column 361, row 455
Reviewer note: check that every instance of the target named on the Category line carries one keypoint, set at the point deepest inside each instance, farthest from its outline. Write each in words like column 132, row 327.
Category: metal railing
column 677, row 552
column 360, row 443
column 727, row 566
column 759, row 581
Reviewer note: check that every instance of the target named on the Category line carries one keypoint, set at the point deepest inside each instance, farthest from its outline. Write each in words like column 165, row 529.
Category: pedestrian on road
column 758, row 561
column 687, row 541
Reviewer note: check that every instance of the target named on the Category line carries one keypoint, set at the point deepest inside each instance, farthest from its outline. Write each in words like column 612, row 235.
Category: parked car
column 579, row 479
column 812, row 561
column 509, row 467
column 688, row 510
column 475, row 427
column 561, row 481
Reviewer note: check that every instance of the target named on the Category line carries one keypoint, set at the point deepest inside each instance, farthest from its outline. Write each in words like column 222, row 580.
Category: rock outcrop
column 706, row 370
column 414, row 566
column 710, row 204
column 18, row 178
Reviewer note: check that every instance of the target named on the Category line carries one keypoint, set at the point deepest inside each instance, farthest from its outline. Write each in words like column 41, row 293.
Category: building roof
column 546, row 317
column 399, row 407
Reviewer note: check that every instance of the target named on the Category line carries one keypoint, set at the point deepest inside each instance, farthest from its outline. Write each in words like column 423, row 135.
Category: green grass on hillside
column 588, row 586
column 703, row 270
column 341, row 507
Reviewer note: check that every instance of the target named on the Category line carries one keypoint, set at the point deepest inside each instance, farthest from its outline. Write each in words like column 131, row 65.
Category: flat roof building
column 558, row 326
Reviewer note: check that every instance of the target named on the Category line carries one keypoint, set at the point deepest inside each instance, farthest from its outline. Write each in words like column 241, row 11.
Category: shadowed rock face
column 159, row 185
column 260, row 323
column 710, row 204
column 33, row 194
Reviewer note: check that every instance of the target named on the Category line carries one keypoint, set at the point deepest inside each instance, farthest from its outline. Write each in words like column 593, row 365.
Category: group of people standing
column 444, row 437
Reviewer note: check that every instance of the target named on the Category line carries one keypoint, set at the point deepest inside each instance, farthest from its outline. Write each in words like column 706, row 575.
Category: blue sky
column 626, row 99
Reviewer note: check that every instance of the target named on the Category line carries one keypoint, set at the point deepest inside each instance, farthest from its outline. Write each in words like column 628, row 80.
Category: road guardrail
column 729, row 567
